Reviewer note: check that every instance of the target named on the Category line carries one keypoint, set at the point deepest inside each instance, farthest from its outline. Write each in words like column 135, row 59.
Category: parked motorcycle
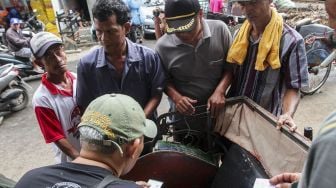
column 32, row 23
column 319, row 50
column 13, row 91
column 24, row 65
column 3, row 48
column 136, row 33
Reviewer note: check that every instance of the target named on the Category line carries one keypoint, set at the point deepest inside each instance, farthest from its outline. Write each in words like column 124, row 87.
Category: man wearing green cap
column 112, row 137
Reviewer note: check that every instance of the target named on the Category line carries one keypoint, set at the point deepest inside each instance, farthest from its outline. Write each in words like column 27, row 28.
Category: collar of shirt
column 131, row 56
column 206, row 34
column 53, row 89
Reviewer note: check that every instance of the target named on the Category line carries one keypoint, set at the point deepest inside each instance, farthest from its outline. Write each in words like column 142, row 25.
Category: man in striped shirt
column 275, row 89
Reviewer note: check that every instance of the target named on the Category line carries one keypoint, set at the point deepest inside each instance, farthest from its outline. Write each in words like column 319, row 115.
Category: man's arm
column 83, row 95
column 52, row 130
column 64, row 145
column 183, row 104
column 158, row 32
column 295, row 73
column 157, row 81
column 152, row 105
column 217, row 99
column 290, row 103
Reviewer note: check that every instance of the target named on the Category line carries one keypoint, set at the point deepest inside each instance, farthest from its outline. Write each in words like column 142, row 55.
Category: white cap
column 40, row 43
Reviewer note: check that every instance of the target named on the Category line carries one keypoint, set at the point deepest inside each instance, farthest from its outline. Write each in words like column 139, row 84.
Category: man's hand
column 216, row 103
column 285, row 180
column 286, row 119
column 184, row 105
column 143, row 184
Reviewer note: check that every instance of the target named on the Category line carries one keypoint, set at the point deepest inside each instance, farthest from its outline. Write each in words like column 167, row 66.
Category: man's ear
column 39, row 62
column 132, row 148
column 127, row 27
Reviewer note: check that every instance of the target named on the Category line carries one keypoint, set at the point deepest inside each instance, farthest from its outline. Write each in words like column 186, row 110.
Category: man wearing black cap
column 193, row 53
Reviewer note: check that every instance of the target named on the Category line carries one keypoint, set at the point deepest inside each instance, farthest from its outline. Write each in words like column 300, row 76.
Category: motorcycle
column 136, row 33
column 32, row 23
column 24, row 65
column 319, row 43
column 3, row 48
column 13, row 91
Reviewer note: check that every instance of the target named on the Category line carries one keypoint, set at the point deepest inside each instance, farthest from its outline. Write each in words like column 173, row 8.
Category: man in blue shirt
column 119, row 66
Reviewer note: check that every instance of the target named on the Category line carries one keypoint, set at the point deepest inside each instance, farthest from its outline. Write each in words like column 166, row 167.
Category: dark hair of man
column 103, row 9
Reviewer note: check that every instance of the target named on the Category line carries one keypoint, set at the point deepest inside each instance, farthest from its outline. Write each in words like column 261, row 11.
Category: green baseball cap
column 119, row 118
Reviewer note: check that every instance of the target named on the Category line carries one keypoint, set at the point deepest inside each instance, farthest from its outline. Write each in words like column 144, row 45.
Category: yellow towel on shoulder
column 268, row 50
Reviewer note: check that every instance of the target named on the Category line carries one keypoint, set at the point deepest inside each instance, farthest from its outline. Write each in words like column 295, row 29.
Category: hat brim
column 151, row 130
column 45, row 47
column 181, row 25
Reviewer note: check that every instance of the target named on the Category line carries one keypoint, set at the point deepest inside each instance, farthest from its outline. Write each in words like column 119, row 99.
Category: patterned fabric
column 268, row 87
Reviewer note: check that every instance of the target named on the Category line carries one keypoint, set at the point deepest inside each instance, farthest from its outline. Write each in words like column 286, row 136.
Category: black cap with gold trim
column 180, row 15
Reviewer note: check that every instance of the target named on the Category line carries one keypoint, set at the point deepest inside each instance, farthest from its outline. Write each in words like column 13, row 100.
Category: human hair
column 88, row 133
column 103, row 9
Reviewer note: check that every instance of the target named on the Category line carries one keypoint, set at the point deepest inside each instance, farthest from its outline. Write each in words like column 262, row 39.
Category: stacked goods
column 313, row 11
column 46, row 14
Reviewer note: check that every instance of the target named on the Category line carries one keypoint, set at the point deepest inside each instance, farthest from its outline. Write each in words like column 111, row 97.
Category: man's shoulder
column 164, row 41
column 329, row 126
column 144, row 49
column 40, row 95
column 290, row 34
column 10, row 32
column 32, row 176
column 92, row 55
column 215, row 23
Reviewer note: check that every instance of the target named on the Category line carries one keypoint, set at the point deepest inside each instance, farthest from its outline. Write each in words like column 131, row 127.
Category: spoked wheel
column 317, row 76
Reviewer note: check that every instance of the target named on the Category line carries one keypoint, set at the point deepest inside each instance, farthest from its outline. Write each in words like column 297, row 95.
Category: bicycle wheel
column 317, row 76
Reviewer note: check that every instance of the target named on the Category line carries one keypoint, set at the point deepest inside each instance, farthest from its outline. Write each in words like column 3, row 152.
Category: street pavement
column 23, row 147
